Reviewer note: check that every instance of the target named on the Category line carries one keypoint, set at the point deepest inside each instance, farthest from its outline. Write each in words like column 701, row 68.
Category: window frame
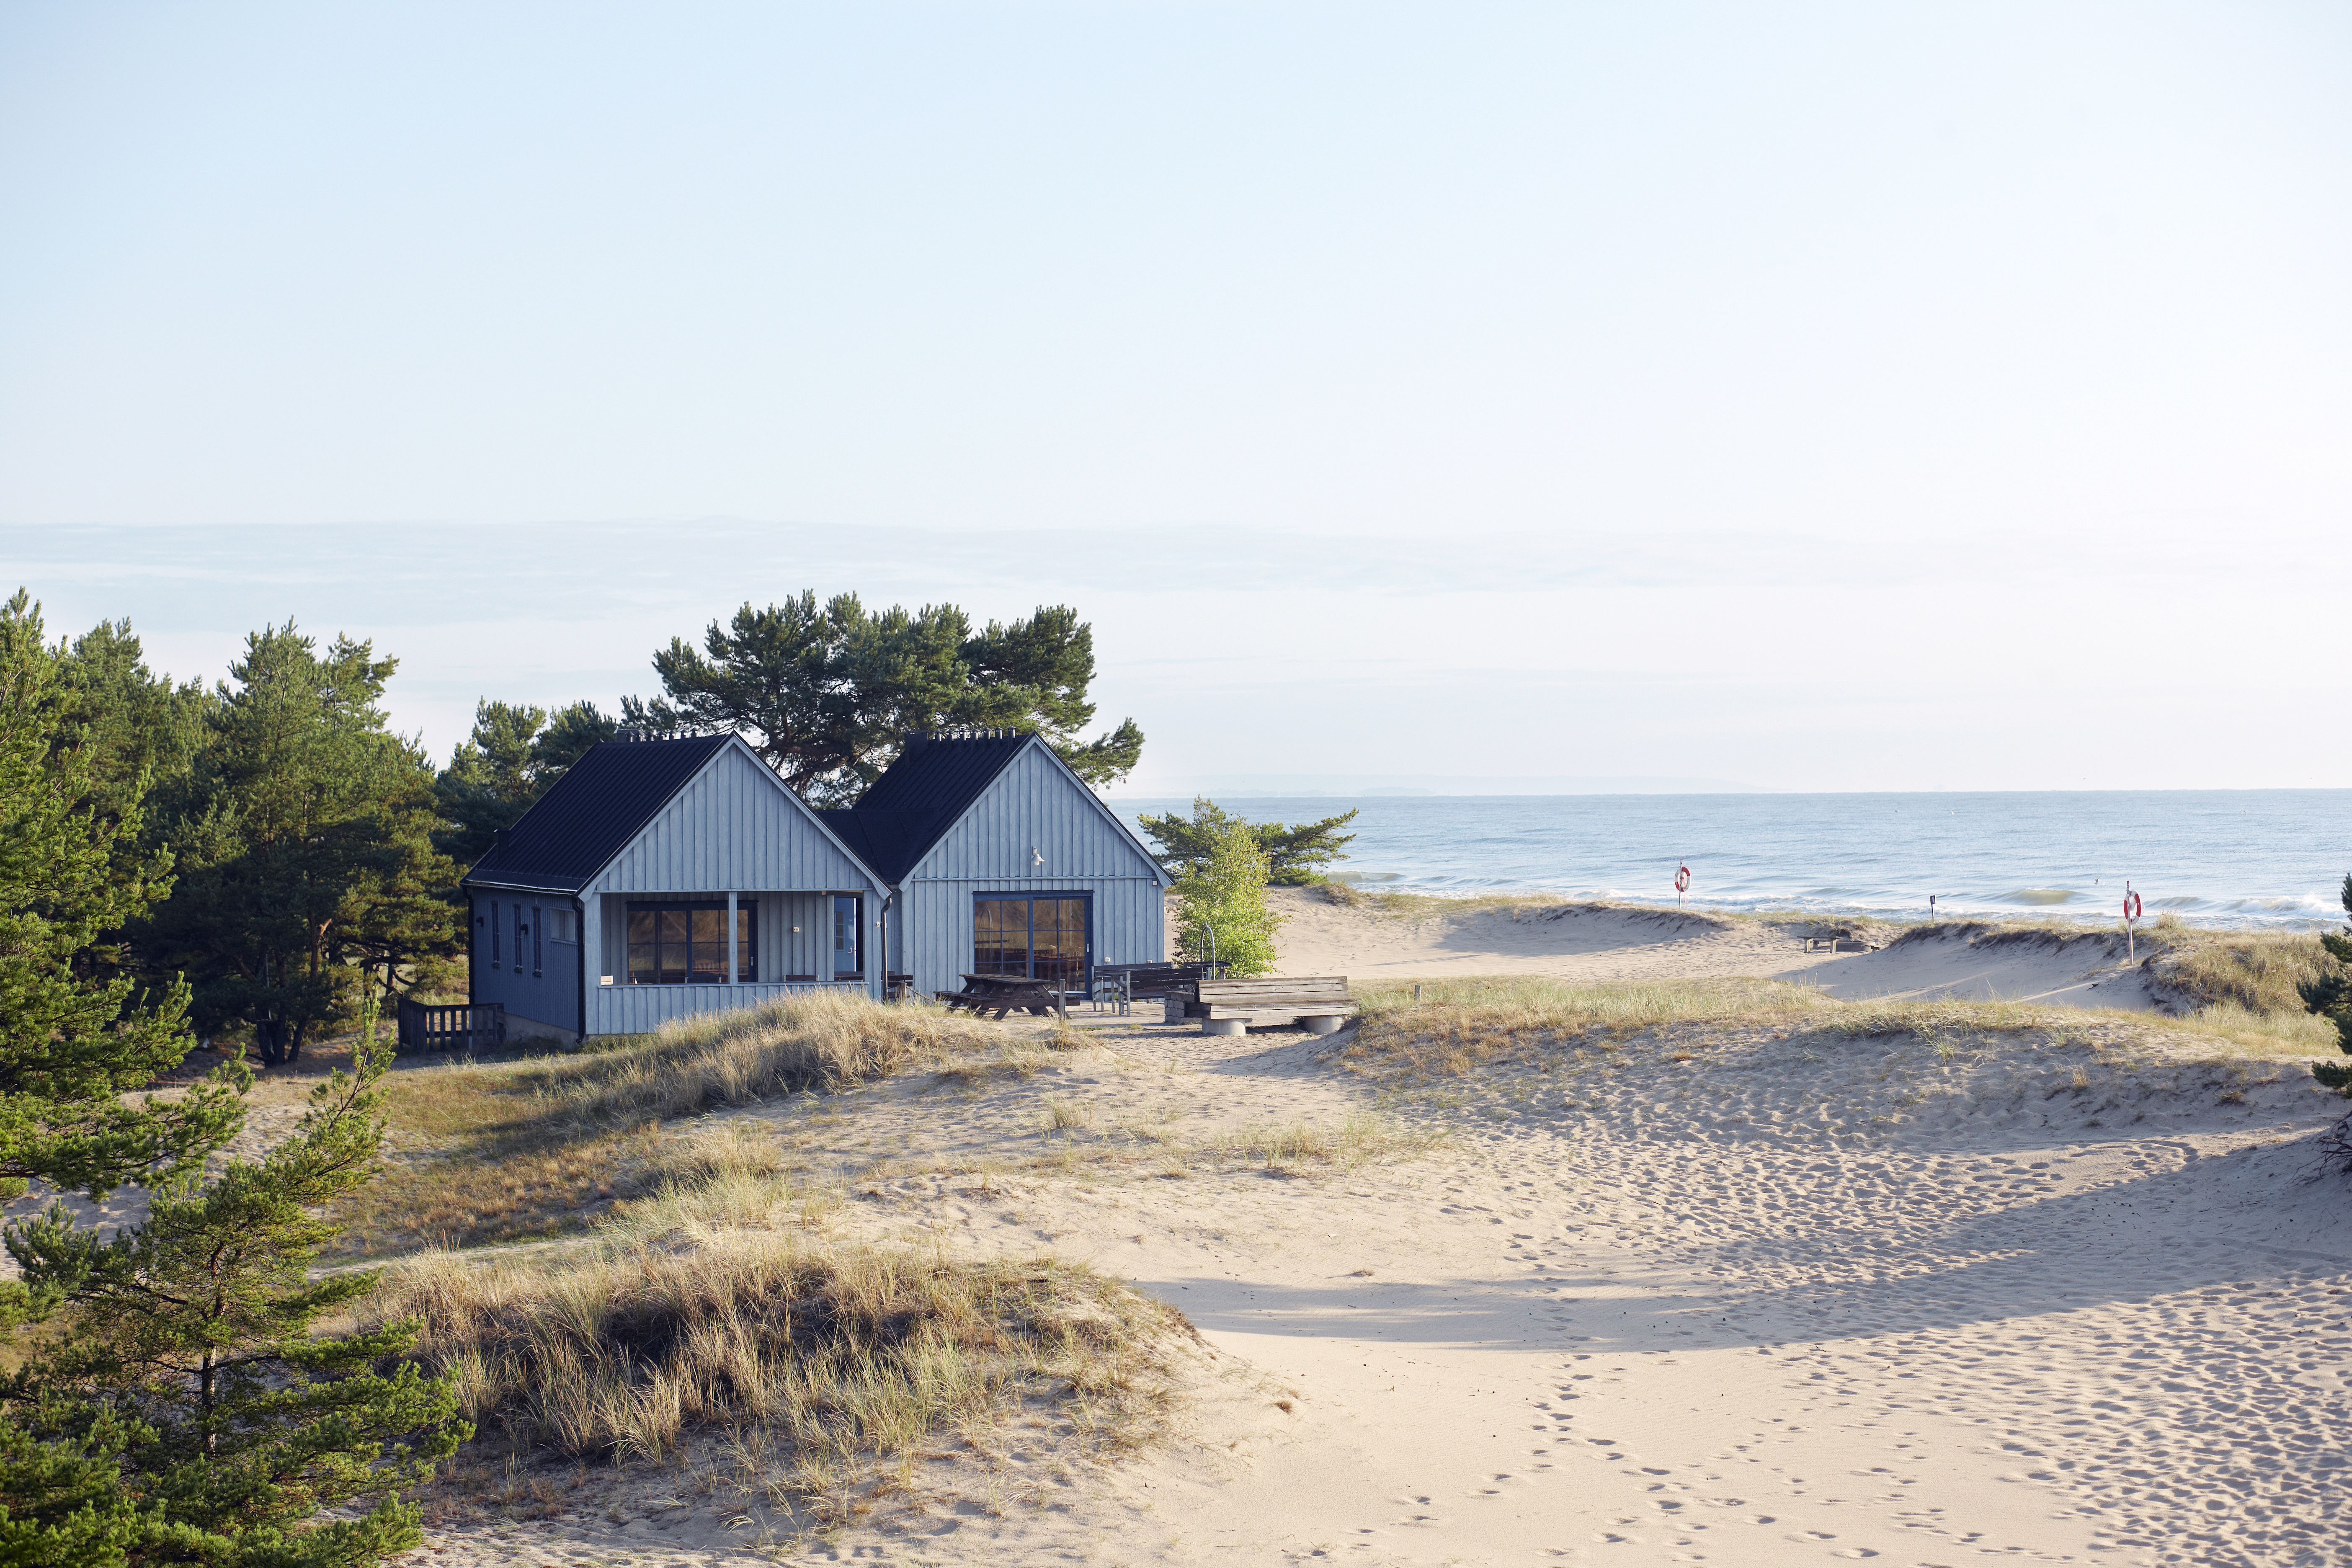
column 745, row 938
column 1086, row 977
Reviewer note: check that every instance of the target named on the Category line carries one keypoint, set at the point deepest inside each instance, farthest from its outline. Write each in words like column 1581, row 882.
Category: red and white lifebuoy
column 1682, row 880
column 2131, row 906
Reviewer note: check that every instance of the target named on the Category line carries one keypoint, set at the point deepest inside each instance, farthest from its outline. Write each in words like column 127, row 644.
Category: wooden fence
column 425, row 1027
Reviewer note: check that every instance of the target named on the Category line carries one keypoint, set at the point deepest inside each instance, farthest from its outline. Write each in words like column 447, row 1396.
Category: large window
column 686, row 943
column 1040, row 939
column 848, row 955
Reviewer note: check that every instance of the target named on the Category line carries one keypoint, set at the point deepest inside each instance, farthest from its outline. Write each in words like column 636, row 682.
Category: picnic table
column 1002, row 993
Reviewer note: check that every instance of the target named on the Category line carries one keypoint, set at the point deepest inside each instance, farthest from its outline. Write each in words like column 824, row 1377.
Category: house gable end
column 734, row 825
column 1036, row 822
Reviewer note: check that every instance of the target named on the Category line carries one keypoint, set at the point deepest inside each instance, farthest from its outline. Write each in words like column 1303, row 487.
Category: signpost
column 1682, row 885
column 2131, row 919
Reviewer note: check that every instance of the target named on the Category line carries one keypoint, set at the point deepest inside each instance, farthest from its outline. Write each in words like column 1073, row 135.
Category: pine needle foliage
column 1297, row 855
column 73, row 1042
column 2330, row 996
column 185, row 1411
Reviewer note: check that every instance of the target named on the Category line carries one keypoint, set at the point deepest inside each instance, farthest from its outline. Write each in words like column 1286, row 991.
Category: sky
column 1809, row 396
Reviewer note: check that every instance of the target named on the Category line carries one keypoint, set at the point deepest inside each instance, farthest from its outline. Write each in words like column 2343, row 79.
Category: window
column 538, row 924
column 559, row 927
column 494, row 933
column 848, row 954
column 1041, row 939
column 521, row 931
column 686, row 943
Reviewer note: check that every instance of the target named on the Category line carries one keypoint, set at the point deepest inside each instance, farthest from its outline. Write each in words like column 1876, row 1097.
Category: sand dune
column 1972, row 960
column 1742, row 1295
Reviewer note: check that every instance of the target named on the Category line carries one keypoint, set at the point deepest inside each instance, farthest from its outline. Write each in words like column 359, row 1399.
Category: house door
column 1039, row 938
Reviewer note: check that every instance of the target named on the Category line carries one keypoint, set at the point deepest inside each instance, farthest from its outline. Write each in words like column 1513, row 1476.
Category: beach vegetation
column 1221, row 904
column 826, row 693
column 180, row 1406
column 539, row 1145
column 1297, row 855
column 2329, row 995
column 836, row 1360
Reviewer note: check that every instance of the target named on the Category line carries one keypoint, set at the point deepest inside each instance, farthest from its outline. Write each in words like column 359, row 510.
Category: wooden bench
column 1317, row 1004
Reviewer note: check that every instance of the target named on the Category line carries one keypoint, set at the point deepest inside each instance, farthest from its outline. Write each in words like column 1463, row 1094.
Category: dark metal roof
column 922, row 794
column 596, row 807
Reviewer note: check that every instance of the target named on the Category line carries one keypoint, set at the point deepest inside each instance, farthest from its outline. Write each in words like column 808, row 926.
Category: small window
column 494, row 933
column 538, row 924
column 847, row 958
column 521, row 931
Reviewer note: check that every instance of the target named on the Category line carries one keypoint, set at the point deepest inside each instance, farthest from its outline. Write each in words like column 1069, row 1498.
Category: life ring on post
column 1682, row 880
column 2131, row 906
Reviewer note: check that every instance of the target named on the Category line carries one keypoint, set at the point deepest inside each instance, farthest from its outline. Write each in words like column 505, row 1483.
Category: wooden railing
column 426, row 1028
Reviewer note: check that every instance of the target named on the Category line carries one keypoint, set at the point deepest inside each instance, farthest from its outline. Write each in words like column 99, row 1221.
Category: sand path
column 1740, row 1299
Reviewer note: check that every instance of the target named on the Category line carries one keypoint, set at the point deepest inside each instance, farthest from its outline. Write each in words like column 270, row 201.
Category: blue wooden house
column 1002, row 861
column 659, row 878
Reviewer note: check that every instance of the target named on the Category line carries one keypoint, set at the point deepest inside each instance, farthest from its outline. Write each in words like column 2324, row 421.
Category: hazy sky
column 1823, row 397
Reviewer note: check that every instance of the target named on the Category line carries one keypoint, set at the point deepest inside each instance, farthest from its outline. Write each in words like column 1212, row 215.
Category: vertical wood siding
column 1034, row 808
column 552, row 995
column 636, row 1009
column 733, row 825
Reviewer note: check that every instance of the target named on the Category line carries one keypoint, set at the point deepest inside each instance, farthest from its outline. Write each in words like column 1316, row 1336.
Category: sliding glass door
column 1038, row 939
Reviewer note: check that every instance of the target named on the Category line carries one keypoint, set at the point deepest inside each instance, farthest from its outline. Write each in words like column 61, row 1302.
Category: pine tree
column 302, row 837
column 513, row 756
column 187, row 1412
column 827, row 693
column 1220, row 903
column 73, row 1043
column 1296, row 856
column 2330, row 996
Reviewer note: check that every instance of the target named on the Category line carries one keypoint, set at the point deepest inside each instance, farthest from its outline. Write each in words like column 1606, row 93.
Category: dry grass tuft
column 856, row 1355
column 510, row 1150
column 819, row 1040
column 2255, row 970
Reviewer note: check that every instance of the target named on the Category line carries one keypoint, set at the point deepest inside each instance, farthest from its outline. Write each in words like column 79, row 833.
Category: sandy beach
column 1740, row 1293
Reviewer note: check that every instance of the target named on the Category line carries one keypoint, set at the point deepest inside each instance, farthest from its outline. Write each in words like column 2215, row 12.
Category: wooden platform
column 1263, row 1002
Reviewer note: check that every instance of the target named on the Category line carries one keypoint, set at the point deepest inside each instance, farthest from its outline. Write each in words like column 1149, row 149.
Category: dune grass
column 852, row 1358
column 510, row 1150
column 1459, row 1026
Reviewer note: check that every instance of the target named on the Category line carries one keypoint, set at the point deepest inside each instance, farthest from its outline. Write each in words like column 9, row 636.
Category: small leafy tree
column 74, row 1042
column 187, row 1412
column 2330, row 996
column 1221, row 904
column 1296, row 856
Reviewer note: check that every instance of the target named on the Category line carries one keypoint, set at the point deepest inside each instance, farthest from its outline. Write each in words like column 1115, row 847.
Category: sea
column 2236, row 858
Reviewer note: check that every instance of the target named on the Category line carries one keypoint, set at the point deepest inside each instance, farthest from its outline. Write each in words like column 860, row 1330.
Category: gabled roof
column 926, row 792
column 922, row 794
column 590, row 814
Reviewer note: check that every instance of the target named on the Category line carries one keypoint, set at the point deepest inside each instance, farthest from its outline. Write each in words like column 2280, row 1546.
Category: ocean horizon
column 2232, row 858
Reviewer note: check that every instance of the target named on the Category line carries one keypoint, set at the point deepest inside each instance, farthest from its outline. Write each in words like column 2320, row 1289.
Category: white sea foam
column 2254, row 859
